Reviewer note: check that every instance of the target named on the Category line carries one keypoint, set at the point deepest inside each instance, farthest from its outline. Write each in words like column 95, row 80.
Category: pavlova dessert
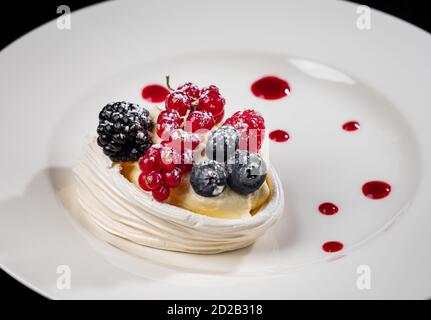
column 182, row 178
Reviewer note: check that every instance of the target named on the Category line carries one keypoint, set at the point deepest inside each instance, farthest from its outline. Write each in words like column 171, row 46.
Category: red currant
column 172, row 177
column 153, row 180
column 211, row 101
column 179, row 101
column 169, row 158
column 172, row 115
column 197, row 120
column 186, row 164
column 190, row 89
column 161, row 193
column 142, row 183
column 218, row 118
column 148, row 163
column 180, row 140
column 165, row 128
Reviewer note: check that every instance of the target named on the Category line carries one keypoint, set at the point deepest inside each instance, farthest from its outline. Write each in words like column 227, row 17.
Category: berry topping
column 168, row 158
column 124, row 131
column 169, row 115
column 251, row 127
column 222, row 144
column 142, row 183
column 180, row 141
column 198, row 120
column 172, row 177
column 153, row 180
column 190, row 89
column 247, row 172
column 179, row 101
column 211, row 101
column 165, row 128
column 161, row 194
column 149, row 163
column 208, row 178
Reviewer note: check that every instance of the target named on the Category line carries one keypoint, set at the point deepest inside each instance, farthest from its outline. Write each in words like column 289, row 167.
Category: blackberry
column 208, row 178
column 124, row 131
column 246, row 172
column 222, row 143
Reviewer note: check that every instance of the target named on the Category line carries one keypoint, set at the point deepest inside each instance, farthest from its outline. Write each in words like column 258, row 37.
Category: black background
column 17, row 18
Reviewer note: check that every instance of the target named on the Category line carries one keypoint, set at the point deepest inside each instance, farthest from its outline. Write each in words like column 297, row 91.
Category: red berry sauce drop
column 328, row 208
column 332, row 246
column 279, row 136
column 155, row 93
column 351, row 126
column 376, row 189
column 270, row 88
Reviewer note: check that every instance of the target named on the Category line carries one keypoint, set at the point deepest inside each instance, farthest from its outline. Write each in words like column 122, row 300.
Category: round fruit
column 190, row 89
column 198, row 120
column 153, row 180
column 222, row 144
column 186, row 164
column 171, row 115
column 211, row 101
column 161, row 193
column 208, row 178
column 142, row 183
column 148, row 163
column 168, row 158
column 165, row 128
column 124, row 131
column 172, row 177
column 246, row 172
column 180, row 141
column 179, row 101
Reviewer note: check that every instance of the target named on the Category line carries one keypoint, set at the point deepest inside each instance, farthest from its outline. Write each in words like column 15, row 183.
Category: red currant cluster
column 251, row 127
column 161, row 170
column 201, row 109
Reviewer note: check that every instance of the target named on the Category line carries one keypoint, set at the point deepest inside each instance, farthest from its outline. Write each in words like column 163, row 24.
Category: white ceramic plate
column 53, row 83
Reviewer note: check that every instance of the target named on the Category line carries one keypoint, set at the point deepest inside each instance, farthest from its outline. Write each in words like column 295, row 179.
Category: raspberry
column 179, row 101
column 198, row 120
column 251, row 126
column 153, row 180
column 190, row 89
column 161, row 193
column 172, row 177
column 211, row 101
column 171, row 115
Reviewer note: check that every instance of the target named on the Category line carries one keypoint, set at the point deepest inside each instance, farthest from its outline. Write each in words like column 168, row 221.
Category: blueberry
column 222, row 143
column 208, row 178
column 246, row 172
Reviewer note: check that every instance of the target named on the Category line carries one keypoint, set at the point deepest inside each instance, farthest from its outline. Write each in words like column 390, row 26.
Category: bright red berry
column 218, row 118
column 161, row 193
column 171, row 115
column 165, row 128
column 142, row 183
column 179, row 101
column 180, row 140
column 197, row 120
column 153, row 180
column 211, row 101
column 169, row 158
column 251, row 126
column 190, row 89
column 172, row 177
column 186, row 164
column 148, row 163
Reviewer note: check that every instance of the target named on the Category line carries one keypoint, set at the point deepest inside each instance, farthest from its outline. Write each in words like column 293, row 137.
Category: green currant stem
column 168, row 83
